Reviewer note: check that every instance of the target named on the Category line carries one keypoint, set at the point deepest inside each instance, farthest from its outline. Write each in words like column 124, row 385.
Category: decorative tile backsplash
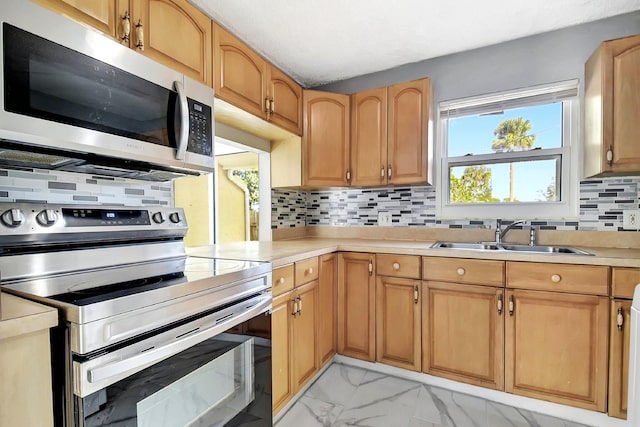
column 601, row 204
column 45, row 186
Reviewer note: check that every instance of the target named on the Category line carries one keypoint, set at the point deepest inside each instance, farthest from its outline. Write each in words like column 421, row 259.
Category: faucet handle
column 498, row 223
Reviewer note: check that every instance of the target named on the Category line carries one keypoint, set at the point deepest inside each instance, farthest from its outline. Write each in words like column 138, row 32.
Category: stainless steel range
column 148, row 335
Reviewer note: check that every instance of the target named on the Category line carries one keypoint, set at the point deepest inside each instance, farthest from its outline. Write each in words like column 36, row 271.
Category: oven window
column 45, row 80
column 215, row 383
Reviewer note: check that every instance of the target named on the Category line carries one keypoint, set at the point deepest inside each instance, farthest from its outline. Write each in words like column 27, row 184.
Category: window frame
column 568, row 173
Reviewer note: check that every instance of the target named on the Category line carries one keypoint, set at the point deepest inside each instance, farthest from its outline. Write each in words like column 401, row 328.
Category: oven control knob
column 174, row 217
column 47, row 217
column 158, row 217
column 12, row 218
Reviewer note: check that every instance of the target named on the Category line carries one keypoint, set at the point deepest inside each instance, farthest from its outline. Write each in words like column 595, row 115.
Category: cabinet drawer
column 398, row 266
column 306, row 271
column 461, row 270
column 624, row 281
column 282, row 280
column 581, row 279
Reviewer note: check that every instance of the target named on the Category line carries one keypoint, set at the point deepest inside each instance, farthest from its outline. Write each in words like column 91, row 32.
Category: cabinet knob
column 310, row 270
column 461, row 271
column 280, row 281
column 396, row 266
column 556, row 278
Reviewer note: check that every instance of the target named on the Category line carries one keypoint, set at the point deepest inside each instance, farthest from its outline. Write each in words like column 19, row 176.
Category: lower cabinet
column 463, row 333
column 556, row 347
column 619, row 345
column 303, row 336
column 281, row 324
column 398, row 322
column 327, row 314
column 356, row 305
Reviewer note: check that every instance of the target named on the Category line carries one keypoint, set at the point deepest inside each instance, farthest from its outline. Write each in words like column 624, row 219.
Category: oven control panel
column 101, row 222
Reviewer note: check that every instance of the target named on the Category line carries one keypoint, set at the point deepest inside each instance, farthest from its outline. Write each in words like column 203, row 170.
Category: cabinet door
column 304, row 343
column 103, row 15
column 463, row 333
column 327, row 295
column 619, row 358
column 176, row 34
column 356, row 306
column 557, row 347
column 398, row 330
column 325, row 139
column 409, row 135
column 369, row 137
column 240, row 73
column 281, row 324
column 285, row 101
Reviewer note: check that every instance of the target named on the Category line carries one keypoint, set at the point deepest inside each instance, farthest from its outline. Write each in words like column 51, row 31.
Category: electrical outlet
column 384, row 219
column 630, row 219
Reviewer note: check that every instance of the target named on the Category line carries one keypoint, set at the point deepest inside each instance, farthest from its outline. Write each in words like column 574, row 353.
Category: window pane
column 531, row 181
column 517, row 129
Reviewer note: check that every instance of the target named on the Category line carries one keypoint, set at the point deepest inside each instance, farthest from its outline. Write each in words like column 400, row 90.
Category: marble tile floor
column 349, row 396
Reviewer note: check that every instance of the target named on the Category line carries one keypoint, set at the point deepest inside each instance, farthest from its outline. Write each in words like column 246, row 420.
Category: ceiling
column 321, row 41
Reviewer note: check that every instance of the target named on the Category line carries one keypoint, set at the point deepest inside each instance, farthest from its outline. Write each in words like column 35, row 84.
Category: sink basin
column 491, row 246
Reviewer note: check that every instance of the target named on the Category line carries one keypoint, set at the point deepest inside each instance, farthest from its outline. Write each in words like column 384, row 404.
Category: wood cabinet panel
column 281, row 324
column 325, row 139
column 624, row 281
column 103, row 15
column 176, row 34
column 463, row 333
column 356, row 306
column 409, row 140
column 328, row 308
column 369, row 137
column 304, row 342
column 282, row 280
column 619, row 358
column 612, row 98
column 286, row 101
column 462, row 270
column 585, row 279
column 240, row 73
column 306, row 271
column 398, row 328
column 393, row 265
column 557, row 347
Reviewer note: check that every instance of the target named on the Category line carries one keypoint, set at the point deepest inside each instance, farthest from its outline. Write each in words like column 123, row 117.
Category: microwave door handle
column 113, row 372
column 184, row 121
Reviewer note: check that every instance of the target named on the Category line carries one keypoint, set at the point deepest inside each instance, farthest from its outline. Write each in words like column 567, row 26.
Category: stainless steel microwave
column 74, row 99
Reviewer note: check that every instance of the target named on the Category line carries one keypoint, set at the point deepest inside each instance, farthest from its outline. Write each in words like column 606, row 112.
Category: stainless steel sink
column 490, row 246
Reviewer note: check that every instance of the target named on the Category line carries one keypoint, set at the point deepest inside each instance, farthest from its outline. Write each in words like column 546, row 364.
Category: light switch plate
column 384, row 219
column 630, row 219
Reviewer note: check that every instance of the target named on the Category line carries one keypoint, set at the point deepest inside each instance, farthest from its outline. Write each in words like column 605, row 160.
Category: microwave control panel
column 200, row 128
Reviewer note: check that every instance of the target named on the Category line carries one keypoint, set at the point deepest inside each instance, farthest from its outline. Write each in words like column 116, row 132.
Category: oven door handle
column 113, row 372
column 183, row 138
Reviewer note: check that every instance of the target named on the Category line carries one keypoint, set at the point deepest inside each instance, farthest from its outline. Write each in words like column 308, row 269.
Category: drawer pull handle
column 299, row 305
column 499, row 304
column 511, row 305
column 556, row 278
column 416, row 294
column 295, row 308
column 461, row 271
column 280, row 281
column 396, row 266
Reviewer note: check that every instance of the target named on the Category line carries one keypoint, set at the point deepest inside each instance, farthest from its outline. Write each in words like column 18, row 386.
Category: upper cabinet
column 244, row 79
column 172, row 32
column 391, row 135
column 612, row 100
column 325, row 139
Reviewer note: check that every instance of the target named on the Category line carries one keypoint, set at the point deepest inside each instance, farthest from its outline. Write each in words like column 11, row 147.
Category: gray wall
column 544, row 58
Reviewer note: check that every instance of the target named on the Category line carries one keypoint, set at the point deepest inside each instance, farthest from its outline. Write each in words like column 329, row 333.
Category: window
column 510, row 155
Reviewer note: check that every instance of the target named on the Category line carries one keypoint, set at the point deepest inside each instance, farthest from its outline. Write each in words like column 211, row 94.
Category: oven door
column 213, row 371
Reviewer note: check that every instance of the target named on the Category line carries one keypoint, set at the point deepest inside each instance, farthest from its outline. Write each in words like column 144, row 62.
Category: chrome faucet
column 501, row 233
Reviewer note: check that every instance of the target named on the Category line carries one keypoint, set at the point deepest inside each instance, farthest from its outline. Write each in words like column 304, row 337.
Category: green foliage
column 250, row 177
column 550, row 193
column 512, row 136
column 473, row 186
